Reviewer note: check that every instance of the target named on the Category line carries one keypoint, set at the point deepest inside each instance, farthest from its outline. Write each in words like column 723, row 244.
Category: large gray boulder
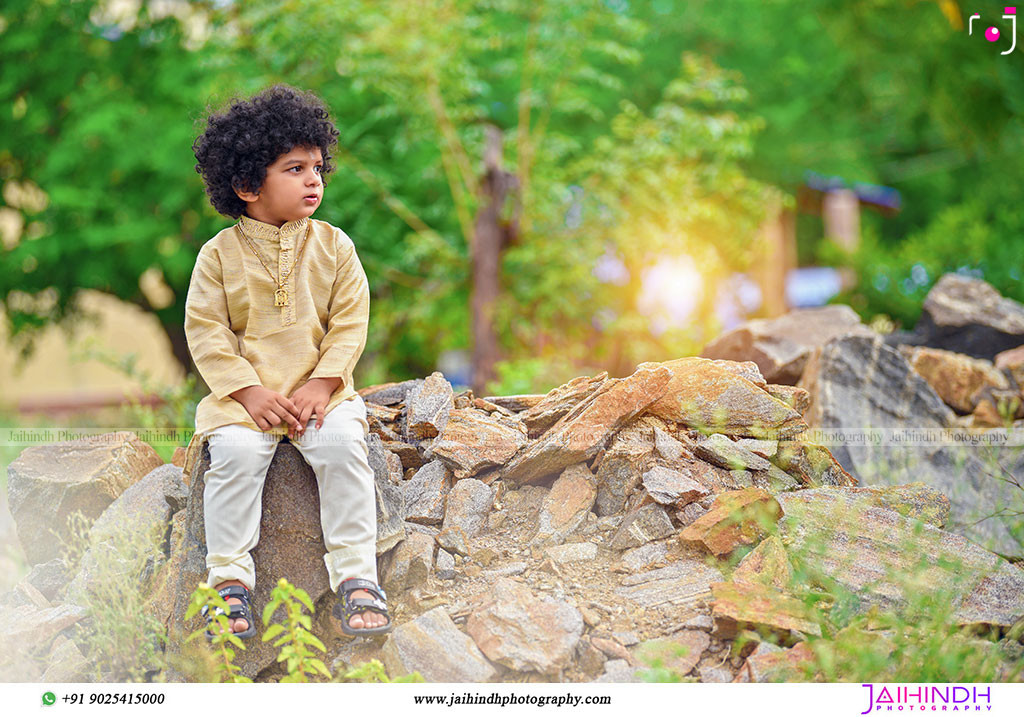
column 524, row 630
column 291, row 546
column 780, row 347
column 46, row 485
column 129, row 533
column 886, row 558
column 859, row 383
column 433, row 646
column 968, row 316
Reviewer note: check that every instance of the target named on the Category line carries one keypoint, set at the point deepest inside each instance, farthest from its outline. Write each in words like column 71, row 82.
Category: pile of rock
column 888, row 401
column 582, row 551
column 576, row 536
column 114, row 483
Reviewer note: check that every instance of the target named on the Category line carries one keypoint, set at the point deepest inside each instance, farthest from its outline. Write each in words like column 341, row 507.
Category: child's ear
column 245, row 195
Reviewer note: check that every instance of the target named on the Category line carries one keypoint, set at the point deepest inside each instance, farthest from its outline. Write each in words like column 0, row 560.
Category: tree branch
column 455, row 161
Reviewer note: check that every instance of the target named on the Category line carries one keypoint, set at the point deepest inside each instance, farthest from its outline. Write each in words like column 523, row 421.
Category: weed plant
column 121, row 636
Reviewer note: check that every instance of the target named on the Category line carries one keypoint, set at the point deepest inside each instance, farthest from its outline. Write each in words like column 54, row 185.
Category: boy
column 276, row 320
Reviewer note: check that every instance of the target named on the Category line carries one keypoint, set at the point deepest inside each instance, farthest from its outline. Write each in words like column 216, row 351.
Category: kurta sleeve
column 348, row 316
column 211, row 341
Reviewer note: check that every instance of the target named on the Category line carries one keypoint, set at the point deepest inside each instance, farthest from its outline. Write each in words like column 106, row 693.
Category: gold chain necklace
column 281, row 295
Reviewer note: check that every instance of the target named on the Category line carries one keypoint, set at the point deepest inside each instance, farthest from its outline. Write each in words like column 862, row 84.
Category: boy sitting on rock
column 276, row 320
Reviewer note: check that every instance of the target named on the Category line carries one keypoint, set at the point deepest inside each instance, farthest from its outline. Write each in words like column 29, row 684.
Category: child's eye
column 319, row 168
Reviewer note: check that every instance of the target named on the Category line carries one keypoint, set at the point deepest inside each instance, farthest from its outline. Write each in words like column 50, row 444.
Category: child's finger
column 320, row 415
column 291, row 413
column 304, row 418
column 271, row 417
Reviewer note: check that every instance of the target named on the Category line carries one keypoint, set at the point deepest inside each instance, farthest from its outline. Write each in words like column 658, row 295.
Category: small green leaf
column 312, row 639
column 273, row 631
column 304, row 597
column 235, row 640
column 268, row 611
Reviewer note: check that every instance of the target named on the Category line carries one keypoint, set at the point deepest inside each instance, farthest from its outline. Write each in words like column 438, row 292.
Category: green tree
column 414, row 88
column 614, row 154
column 98, row 185
column 890, row 92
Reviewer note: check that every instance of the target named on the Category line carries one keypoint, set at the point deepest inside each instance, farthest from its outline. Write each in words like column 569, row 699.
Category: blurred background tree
column 414, row 87
column 648, row 139
column 888, row 92
column 98, row 186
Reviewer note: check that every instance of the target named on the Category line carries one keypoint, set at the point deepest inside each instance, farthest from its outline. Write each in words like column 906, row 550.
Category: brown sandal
column 348, row 606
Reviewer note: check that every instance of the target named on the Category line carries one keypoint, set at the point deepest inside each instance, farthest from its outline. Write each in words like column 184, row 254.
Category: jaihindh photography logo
column 992, row 34
column 945, row 698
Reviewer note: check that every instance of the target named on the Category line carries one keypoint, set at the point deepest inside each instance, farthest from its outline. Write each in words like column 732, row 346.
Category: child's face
column 292, row 189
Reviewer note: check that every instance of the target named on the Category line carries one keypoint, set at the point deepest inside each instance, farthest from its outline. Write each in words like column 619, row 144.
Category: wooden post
column 840, row 212
column 776, row 257
column 490, row 236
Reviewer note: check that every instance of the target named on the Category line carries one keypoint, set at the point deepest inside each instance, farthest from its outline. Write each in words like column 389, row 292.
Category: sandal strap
column 362, row 605
column 369, row 586
column 243, row 609
column 234, row 591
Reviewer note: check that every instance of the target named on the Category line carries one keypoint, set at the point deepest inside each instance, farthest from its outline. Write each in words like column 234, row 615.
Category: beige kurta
column 239, row 338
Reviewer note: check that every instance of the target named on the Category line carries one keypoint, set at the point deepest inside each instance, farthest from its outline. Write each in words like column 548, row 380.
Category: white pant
column 339, row 456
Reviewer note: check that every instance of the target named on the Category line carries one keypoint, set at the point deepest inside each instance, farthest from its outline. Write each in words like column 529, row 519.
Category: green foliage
column 905, row 625
column 373, row 672
column 665, row 185
column 74, row 540
column 410, row 89
column 841, row 97
column 973, row 238
column 294, row 636
column 624, row 147
column 119, row 636
column 95, row 159
column 917, row 639
column 224, row 640
column 658, row 656
column 914, row 635
column 122, row 638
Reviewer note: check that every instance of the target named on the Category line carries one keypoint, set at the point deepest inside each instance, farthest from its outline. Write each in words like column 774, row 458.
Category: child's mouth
column 312, row 198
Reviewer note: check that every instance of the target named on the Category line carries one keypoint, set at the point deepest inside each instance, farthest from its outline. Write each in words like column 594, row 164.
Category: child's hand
column 310, row 398
column 267, row 408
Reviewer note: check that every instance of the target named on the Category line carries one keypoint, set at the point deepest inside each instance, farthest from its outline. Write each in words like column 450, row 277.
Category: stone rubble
column 606, row 528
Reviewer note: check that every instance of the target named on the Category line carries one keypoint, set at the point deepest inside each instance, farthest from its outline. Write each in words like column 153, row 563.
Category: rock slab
column 860, row 383
column 781, row 347
column 47, row 484
column 525, row 631
column 712, row 399
column 579, row 434
column 433, row 646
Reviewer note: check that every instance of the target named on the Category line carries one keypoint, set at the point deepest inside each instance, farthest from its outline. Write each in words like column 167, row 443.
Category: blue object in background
column 457, row 367
column 811, row 286
column 886, row 199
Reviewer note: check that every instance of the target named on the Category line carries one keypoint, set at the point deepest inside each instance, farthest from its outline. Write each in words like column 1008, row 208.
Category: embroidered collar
column 261, row 230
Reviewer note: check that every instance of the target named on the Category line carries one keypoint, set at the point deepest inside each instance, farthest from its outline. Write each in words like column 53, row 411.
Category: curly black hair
column 242, row 141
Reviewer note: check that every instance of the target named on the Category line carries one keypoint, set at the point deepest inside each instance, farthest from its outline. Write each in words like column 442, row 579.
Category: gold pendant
column 281, row 297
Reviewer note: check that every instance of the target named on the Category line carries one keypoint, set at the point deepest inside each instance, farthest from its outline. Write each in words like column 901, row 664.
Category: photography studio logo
column 928, row 698
column 992, row 34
